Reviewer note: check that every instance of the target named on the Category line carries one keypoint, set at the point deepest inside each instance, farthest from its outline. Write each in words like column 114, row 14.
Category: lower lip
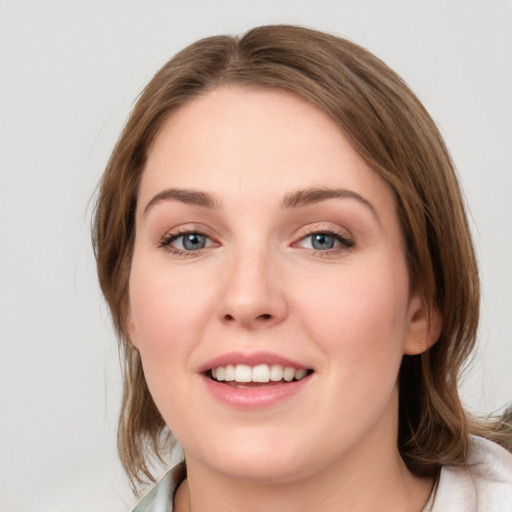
column 254, row 397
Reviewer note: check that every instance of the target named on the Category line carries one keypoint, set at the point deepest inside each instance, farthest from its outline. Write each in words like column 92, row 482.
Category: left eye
column 190, row 242
column 324, row 241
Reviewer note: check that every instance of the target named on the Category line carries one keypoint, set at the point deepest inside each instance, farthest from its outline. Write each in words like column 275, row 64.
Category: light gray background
column 69, row 73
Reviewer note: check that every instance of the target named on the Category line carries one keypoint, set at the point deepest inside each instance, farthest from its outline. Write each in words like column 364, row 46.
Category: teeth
column 229, row 374
column 243, row 373
column 276, row 373
column 300, row 374
column 288, row 374
column 259, row 373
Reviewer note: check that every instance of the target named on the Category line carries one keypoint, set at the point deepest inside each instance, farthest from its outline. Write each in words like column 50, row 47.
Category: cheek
column 167, row 309
column 359, row 318
column 167, row 315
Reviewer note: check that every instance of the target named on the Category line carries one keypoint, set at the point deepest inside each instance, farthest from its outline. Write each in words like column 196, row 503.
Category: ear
column 423, row 327
column 129, row 325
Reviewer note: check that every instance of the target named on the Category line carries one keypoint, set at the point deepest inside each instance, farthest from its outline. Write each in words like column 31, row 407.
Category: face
column 269, row 293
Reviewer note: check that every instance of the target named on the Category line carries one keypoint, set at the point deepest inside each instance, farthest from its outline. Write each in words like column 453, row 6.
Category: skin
column 259, row 284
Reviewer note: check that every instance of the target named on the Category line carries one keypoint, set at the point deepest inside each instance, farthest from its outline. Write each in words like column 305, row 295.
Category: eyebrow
column 309, row 196
column 296, row 199
column 187, row 196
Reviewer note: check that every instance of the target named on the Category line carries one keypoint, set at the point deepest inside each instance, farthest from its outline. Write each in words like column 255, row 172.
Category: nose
column 252, row 295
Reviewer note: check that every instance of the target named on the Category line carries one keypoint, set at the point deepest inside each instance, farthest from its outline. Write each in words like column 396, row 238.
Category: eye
column 186, row 243
column 324, row 241
column 190, row 241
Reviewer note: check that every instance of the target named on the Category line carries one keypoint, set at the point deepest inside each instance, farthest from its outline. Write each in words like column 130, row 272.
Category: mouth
column 246, row 376
column 252, row 381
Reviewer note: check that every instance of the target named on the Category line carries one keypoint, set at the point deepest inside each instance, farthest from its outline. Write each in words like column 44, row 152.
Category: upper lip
column 252, row 359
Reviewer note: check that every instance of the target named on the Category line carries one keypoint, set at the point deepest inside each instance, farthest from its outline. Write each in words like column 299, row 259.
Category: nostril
column 264, row 317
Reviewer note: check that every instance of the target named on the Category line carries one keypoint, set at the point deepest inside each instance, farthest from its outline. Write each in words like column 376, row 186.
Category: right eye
column 186, row 243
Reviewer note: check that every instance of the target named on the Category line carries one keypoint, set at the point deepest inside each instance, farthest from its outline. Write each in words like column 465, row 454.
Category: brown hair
column 392, row 131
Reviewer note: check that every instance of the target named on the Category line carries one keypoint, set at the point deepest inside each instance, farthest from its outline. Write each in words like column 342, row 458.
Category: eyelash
column 345, row 243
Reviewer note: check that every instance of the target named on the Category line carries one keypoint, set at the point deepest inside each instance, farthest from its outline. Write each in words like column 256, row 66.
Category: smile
column 261, row 373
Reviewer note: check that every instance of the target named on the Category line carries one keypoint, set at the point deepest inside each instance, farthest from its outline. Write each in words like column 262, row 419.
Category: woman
column 282, row 242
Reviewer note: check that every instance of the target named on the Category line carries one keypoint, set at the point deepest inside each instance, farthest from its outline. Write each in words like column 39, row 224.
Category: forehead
column 253, row 142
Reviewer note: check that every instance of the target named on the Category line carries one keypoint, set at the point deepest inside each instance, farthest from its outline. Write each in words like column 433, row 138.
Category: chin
column 275, row 469
column 253, row 456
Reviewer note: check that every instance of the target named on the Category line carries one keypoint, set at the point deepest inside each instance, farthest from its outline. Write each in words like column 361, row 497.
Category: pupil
column 194, row 241
column 322, row 241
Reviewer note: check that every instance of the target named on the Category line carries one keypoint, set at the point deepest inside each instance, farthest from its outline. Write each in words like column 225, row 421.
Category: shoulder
column 483, row 485
column 160, row 497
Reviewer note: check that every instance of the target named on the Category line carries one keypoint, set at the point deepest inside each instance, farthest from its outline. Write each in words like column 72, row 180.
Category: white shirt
column 483, row 485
